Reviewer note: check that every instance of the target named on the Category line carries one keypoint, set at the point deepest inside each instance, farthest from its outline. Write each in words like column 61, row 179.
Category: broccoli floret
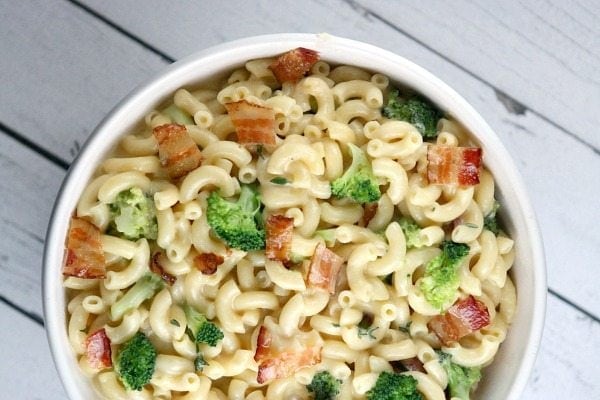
column 136, row 361
column 412, row 233
column 391, row 386
column 239, row 224
column 143, row 289
column 178, row 116
column 328, row 235
column 490, row 222
column 415, row 110
column 358, row 182
column 441, row 280
column 202, row 330
column 133, row 215
column 324, row 386
column 460, row 379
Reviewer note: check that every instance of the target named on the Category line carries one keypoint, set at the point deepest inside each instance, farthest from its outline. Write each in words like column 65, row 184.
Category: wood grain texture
column 541, row 150
column 27, row 370
column 543, row 53
column 567, row 366
column 28, row 184
column 62, row 71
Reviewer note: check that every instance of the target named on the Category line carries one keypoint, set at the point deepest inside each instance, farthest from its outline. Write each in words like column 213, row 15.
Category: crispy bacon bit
column 275, row 365
column 254, row 124
column 156, row 267
column 410, row 364
column 286, row 363
column 449, row 165
column 370, row 209
column 279, row 237
column 98, row 351
column 263, row 344
column 178, row 153
column 324, row 268
column 84, row 255
column 464, row 317
column 207, row 263
column 291, row 66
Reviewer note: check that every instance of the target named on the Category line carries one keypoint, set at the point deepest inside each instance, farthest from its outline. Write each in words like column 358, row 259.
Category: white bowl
column 504, row 379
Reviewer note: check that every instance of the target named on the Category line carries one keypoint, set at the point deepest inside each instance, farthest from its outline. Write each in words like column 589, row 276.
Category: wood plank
column 62, row 71
column 27, row 370
column 28, row 184
column 541, row 150
column 544, row 53
column 567, row 365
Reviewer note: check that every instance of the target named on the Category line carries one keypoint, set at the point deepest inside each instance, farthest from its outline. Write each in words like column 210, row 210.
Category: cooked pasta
column 357, row 285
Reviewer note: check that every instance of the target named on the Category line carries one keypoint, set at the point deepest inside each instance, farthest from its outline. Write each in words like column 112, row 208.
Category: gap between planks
column 514, row 104
column 365, row 11
column 499, row 93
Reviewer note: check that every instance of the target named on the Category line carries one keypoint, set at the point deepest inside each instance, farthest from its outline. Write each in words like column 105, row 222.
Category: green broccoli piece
column 178, row 116
column 324, row 386
column 133, row 215
column 202, row 330
column 412, row 233
column 239, row 224
column 328, row 235
column 143, row 289
column 441, row 280
column 415, row 110
column 460, row 379
column 490, row 222
column 391, row 386
column 136, row 361
column 358, row 182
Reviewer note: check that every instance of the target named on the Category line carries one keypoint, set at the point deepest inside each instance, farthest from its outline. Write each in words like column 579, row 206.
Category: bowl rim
column 262, row 46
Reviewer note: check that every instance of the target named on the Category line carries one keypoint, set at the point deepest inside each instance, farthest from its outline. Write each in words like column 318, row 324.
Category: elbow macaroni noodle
column 314, row 120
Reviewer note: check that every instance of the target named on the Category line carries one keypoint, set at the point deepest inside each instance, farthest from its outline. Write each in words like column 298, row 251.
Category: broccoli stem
column 143, row 289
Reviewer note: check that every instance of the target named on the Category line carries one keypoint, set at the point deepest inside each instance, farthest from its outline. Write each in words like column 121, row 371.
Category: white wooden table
column 530, row 67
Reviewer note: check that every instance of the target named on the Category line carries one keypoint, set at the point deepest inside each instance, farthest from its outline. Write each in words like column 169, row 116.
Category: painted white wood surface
column 24, row 212
column 542, row 151
column 64, row 68
column 26, row 370
column 543, row 53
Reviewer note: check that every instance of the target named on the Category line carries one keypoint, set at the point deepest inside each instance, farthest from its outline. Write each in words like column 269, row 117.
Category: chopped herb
column 490, row 222
column 199, row 362
column 367, row 332
column 335, row 325
column 174, row 322
column 471, row 225
column 405, row 329
column 279, row 180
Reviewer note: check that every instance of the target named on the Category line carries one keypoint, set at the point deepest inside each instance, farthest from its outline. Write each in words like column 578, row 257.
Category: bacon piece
column 279, row 237
column 464, row 317
column 291, row 66
column 324, row 268
column 275, row 365
column 178, row 153
column 254, row 124
column 410, row 364
column 97, row 347
column 263, row 344
column 370, row 209
column 84, row 254
column 156, row 267
column 449, row 165
column 207, row 263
